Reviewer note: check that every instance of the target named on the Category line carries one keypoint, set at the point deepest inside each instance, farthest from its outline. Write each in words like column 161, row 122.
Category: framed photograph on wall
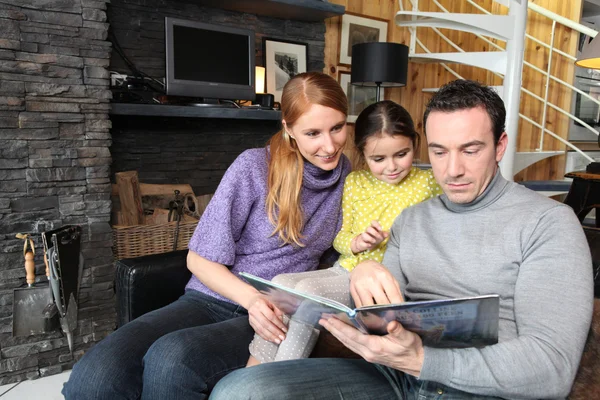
column 282, row 60
column 359, row 97
column 357, row 29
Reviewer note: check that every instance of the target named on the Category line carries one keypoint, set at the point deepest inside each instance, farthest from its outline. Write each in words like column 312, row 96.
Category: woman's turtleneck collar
column 494, row 190
column 315, row 178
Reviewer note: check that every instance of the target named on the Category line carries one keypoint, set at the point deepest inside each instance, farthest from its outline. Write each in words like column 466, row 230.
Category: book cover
column 460, row 322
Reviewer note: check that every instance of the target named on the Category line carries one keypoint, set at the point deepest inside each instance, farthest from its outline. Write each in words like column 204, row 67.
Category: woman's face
column 320, row 134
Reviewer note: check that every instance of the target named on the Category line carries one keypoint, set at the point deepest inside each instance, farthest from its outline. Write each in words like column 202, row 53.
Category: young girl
column 373, row 197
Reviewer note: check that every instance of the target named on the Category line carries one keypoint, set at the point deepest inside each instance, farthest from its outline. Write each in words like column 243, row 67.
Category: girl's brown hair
column 286, row 165
column 384, row 117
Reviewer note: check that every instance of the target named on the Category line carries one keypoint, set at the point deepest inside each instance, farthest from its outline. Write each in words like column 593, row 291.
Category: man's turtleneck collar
column 493, row 191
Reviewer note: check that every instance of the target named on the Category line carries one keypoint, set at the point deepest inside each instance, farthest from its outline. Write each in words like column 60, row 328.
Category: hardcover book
column 458, row 322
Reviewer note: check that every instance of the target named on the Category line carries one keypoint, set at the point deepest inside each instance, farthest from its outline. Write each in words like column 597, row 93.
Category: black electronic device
column 209, row 61
column 265, row 100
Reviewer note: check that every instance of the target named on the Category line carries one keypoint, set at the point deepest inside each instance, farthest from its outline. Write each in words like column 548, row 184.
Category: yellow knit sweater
column 366, row 198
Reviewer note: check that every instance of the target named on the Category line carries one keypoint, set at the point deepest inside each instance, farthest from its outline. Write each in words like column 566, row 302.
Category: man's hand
column 399, row 349
column 371, row 283
column 266, row 319
column 369, row 239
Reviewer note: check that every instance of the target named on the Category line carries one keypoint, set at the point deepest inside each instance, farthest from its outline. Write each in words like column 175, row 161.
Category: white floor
column 47, row 388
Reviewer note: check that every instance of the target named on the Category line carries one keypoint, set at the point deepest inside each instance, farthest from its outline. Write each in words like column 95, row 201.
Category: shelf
column 302, row 10
column 164, row 110
column 585, row 145
column 587, row 77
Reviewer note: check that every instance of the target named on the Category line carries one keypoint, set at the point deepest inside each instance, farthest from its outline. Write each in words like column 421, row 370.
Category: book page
column 300, row 306
column 463, row 322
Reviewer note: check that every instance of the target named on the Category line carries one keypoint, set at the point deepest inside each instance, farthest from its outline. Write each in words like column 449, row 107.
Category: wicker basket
column 142, row 240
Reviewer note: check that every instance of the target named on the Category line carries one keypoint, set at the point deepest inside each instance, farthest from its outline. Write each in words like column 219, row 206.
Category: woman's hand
column 371, row 283
column 266, row 319
column 369, row 239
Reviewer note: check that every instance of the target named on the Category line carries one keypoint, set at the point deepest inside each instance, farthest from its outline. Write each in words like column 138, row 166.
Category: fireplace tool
column 176, row 214
column 32, row 311
column 65, row 264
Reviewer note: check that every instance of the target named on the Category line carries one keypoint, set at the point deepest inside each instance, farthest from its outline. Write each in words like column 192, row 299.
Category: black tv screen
column 197, row 56
column 211, row 61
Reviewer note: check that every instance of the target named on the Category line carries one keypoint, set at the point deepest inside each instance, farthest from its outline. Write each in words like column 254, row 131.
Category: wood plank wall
column 422, row 76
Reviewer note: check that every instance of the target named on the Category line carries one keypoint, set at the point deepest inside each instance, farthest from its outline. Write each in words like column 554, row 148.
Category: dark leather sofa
column 146, row 283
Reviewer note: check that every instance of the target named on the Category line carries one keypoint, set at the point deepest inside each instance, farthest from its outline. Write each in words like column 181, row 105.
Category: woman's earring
column 289, row 135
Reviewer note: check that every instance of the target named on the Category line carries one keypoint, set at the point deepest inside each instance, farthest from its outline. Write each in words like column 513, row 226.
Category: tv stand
column 166, row 110
column 212, row 105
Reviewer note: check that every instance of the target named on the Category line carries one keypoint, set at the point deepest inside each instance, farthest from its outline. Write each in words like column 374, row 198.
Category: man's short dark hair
column 465, row 94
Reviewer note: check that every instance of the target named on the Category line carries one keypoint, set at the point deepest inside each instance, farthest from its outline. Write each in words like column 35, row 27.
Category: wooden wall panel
column 422, row 76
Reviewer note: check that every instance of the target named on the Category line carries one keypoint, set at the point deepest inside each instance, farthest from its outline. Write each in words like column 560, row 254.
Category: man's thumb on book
column 394, row 328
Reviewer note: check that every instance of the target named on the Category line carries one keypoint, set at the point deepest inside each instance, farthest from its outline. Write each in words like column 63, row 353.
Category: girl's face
column 389, row 157
column 320, row 134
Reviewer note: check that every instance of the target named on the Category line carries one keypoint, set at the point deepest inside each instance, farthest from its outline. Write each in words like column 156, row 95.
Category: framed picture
column 357, row 29
column 282, row 60
column 359, row 97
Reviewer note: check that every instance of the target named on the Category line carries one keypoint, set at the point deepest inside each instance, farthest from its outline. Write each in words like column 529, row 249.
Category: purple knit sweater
column 235, row 230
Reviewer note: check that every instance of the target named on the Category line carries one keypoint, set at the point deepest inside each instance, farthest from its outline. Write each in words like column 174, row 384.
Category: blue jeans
column 177, row 352
column 330, row 378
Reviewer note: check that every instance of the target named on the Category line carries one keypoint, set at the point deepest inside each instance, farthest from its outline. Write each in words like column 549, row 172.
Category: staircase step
column 524, row 159
column 548, row 186
column 496, row 26
column 556, row 190
column 491, row 60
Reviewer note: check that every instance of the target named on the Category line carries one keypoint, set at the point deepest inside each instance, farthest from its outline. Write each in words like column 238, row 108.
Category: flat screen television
column 209, row 61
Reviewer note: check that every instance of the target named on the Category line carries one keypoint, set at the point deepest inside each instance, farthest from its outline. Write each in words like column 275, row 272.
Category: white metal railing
column 556, row 19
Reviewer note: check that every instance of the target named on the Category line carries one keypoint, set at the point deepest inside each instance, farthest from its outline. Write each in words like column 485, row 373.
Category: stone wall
column 190, row 150
column 139, row 28
column 56, row 143
column 54, row 165
column 184, row 150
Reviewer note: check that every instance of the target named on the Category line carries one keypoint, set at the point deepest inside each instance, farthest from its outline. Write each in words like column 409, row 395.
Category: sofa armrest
column 144, row 284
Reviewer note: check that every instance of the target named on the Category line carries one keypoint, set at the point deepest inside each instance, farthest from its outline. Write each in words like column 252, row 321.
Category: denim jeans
column 177, row 352
column 330, row 378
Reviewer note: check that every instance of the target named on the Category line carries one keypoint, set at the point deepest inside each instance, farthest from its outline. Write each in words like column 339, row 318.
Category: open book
column 461, row 322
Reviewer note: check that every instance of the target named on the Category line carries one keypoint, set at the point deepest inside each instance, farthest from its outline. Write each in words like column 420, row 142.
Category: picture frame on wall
column 357, row 29
column 283, row 60
column 359, row 97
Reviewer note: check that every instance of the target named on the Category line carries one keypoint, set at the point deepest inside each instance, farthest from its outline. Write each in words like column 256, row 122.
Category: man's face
column 462, row 152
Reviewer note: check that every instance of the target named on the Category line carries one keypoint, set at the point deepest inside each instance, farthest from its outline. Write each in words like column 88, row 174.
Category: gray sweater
column 509, row 241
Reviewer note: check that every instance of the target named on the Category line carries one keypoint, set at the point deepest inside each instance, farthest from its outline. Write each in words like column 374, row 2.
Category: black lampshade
column 379, row 64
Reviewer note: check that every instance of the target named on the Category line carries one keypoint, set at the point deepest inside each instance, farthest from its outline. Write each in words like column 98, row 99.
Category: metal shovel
column 31, row 315
column 32, row 305
column 65, row 264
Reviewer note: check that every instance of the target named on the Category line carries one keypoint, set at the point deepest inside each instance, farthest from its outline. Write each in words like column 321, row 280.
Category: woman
column 276, row 210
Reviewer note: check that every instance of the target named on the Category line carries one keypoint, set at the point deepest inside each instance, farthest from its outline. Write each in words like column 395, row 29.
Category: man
column 485, row 235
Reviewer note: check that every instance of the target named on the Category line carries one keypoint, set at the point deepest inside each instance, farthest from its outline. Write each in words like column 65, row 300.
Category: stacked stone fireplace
column 60, row 147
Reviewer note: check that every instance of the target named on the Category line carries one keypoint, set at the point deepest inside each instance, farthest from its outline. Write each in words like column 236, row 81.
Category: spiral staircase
column 506, row 62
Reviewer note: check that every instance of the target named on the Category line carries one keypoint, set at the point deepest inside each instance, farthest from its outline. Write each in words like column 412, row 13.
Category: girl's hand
column 369, row 239
column 266, row 319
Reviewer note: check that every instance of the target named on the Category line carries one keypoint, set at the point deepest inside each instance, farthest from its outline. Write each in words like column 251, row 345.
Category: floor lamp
column 379, row 64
